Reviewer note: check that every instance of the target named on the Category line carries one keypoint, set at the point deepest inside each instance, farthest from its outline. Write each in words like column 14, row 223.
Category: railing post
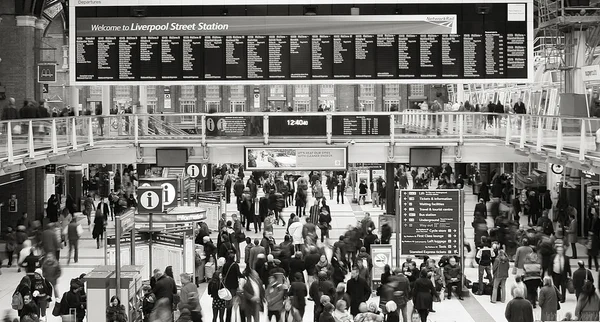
column 461, row 128
column 523, row 133
column 540, row 135
column 507, row 134
column 582, row 142
column 74, row 133
column 203, row 130
column 450, row 123
column 53, row 137
column 266, row 129
column 30, row 139
column 559, row 139
column 9, row 143
column 392, row 130
column 91, row 132
column 442, row 125
column 136, row 136
column 328, row 127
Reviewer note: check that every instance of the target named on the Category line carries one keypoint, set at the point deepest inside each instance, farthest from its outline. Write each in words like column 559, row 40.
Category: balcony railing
column 35, row 138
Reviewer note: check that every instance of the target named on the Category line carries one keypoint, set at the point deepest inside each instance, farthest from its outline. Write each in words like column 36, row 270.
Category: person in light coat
column 548, row 300
column 296, row 233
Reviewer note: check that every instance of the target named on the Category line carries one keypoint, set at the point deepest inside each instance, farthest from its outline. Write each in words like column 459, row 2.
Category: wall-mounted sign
column 47, row 73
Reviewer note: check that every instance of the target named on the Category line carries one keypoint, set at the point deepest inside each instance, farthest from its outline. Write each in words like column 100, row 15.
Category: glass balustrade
column 28, row 138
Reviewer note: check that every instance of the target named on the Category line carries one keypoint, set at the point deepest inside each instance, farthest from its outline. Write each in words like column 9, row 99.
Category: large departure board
column 262, row 49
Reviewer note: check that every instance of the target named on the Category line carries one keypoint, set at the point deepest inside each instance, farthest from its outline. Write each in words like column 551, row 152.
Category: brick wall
column 30, row 197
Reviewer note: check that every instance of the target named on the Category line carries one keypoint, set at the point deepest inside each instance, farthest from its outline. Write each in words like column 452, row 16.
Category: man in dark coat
column 519, row 309
column 358, row 289
column 10, row 111
column 579, row 276
column 238, row 190
column 164, row 288
column 519, row 107
column 49, row 239
column 298, row 293
column 481, row 208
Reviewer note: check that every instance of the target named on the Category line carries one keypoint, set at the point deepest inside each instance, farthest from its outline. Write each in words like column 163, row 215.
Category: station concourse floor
column 472, row 309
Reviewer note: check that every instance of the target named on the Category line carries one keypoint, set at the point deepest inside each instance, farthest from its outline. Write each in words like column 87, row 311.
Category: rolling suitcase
column 209, row 270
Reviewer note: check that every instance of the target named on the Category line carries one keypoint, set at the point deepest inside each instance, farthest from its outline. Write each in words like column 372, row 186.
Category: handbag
column 224, row 293
column 570, row 286
column 56, row 310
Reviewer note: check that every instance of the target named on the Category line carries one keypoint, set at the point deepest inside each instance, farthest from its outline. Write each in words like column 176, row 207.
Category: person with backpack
column 23, row 289
column 275, row 294
column 546, row 224
column 41, row 291
column 484, row 258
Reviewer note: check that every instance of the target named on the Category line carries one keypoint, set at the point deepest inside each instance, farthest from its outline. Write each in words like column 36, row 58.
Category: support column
column 40, row 26
column 143, row 108
column 74, row 99
column 390, row 190
column 106, row 103
column 74, row 184
column 573, row 79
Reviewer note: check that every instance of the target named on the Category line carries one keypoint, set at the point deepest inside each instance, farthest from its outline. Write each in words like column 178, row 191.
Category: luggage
column 209, row 270
column 487, row 288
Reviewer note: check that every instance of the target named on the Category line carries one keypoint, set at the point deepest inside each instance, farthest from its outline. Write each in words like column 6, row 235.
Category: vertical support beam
column 540, row 136
column 328, row 127
column 523, row 132
column 203, row 129
column 461, row 128
column 266, row 129
column 53, row 137
column 559, row 139
column 90, row 132
column 508, row 132
column 136, row 133
column 390, row 190
column 30, row 139
column 9, row 143
column 582, row 142
column 74, row 99
column 392, row 130
column 73, row 133
column 451, row 123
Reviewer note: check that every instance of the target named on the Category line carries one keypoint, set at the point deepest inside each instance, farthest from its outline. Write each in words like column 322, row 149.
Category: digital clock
column 297, row 122
column 293, row 125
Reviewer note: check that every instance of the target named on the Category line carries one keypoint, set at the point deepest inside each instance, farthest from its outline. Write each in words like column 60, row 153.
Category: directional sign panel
column 198, row 171
column 430, row 222
column 150, row 200
column 170, row 188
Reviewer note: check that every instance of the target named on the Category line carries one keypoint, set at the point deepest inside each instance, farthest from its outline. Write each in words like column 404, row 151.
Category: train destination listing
column 248, row 48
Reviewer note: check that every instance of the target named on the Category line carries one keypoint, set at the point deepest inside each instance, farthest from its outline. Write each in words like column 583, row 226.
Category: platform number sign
column 150, row 200
column 198, row 171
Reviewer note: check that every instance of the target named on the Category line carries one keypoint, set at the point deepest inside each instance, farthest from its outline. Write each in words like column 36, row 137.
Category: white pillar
column 460, row 93
column 106, row 103
column 580, row 40
column 74, row 99
column 143, row 108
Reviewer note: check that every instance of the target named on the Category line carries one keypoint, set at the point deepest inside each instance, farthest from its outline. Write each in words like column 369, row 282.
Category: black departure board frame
column 298, row 125
column 449, row 42
column 360, row 125
column 431, row 222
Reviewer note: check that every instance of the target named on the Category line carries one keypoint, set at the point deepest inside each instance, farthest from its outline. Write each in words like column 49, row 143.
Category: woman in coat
column 588, row 304
column 549, row 300
column 500, row 273
column 423, row 291
column 318, row 190
column 484, row 192
column 251, row 295
column 572, row 235
column 532, row 277
column 24, row 288
column 115, row 312
column 98, row 230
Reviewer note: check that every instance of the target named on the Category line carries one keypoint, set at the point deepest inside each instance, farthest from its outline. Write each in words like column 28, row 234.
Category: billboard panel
column 288, row 158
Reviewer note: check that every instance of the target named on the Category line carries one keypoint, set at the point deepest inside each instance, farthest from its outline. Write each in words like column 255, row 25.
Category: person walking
column 73, row 231
column 588, row 304
column 424, row 292
column 52, row 208
column 580, row 276
column 99, row 227
column 572, row 236
column 532, row 277
column 500, row 271
column 10, row 246
column 519, row 309
column 592, row 246
column 324, row 223
column 549, row 300
column 485, row 258
column 51, row 271
column 560, row 271
column 358, row 289
column 218, row 304
column 341, row 189
column 231, row 280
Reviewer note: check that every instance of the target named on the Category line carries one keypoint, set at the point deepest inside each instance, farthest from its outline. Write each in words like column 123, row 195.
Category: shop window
column 392, row 90
column 366, row 90
column 302, row 90
column 237, row 105
column 188, row 92
column 366, row 105
column 213, row 92
column 212, row 106
column 277, row 91
column 95, row 93
column 122, row 94
column 187, row 106
column 327, row 90
column 388, row 104
column 237, row 91
column 417, row 90
column 302, row 106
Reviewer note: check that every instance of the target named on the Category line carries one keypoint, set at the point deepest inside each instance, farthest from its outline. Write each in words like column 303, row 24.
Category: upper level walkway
column 551, row 138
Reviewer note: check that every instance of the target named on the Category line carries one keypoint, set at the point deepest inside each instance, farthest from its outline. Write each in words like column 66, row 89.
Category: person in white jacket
column 296, row 233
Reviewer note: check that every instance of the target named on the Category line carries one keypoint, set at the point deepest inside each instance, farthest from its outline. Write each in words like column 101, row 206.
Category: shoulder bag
column 224, row 293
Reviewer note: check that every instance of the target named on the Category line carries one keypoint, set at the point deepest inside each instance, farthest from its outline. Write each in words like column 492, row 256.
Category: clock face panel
column 557, row 168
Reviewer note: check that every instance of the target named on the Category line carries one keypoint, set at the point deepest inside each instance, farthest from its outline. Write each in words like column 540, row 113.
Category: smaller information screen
column 294, row 125
column 361, row 125
column 431, row 222
column 234, row 126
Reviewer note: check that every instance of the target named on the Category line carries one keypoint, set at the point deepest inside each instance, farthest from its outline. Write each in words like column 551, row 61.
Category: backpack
column 17, row 301
column 547, row 226
column 486, row 258
column 274, row 296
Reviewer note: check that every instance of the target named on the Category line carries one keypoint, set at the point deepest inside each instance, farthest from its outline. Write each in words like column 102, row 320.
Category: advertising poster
column 296, row 158
column 234, row 126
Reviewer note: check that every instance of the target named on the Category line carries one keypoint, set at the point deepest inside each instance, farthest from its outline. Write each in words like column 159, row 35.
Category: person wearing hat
column 40, row 290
